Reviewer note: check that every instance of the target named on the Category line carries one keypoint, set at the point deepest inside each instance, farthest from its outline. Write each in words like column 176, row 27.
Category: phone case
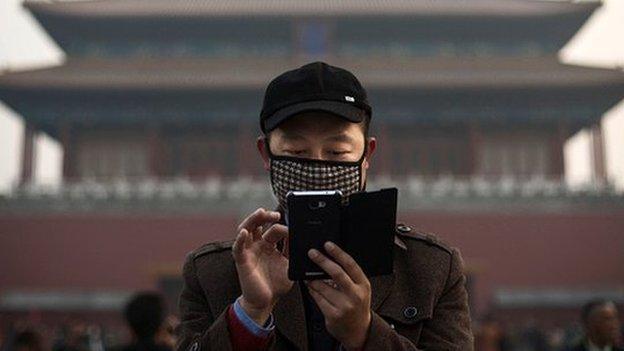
column 368, row 230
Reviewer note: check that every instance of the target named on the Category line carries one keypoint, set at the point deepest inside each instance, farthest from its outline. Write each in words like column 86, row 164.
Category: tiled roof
column 305, row 7
column 422, row 73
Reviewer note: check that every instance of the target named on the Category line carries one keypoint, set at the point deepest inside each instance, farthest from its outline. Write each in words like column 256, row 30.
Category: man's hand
column 262, row 268
column 346, row 306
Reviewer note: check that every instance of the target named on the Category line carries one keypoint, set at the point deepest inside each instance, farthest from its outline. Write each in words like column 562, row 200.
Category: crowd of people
column 599, row 329
column 152, row 329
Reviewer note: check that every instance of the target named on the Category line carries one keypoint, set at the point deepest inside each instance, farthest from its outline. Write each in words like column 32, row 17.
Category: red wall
column 108, row 252
column 549, row 250
column 100, row 251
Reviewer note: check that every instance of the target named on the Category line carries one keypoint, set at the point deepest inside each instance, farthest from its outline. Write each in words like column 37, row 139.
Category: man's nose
column 316, row 154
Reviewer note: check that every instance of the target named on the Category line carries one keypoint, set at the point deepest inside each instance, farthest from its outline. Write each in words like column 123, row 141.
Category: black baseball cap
column 316, row 86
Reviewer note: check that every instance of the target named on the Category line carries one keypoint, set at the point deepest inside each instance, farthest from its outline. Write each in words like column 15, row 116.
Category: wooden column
column 156, row 152
column 66, row 140
column 475, row 140
column 557, row 167
column 245, row 146
column 28, row 154
column 597, row 153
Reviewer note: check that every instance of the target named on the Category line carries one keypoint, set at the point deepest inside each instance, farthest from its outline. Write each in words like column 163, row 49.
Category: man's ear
column 371, row 145
column 262, row 143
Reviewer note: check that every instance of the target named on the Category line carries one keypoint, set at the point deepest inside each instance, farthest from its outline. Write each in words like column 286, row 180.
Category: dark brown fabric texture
column 423, row 305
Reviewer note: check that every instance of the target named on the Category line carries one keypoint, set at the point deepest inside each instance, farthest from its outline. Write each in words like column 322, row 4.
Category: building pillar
column 155, row 152
column 245, row 146
column 557, row 167
column 28, row 154
column 599, row 168
column 475, row 140
column 65, row 138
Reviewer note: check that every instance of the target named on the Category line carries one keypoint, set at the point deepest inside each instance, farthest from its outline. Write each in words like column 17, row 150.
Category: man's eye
column 335, row 152
column 294, row 152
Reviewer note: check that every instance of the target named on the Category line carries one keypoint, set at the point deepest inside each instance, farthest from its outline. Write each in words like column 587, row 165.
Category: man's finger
column 346, row 262
column 258, row 218
column 333, row 269
column 275, row 233
column 325, row 306
column 257, row 234
column 248, row 240
column 334, row 296
column 239, row 246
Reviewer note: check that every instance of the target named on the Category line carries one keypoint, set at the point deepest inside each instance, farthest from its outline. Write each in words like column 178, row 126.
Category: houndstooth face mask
column 302, row 174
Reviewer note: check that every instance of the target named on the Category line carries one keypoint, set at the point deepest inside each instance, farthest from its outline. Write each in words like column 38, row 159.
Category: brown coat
column 423, row 305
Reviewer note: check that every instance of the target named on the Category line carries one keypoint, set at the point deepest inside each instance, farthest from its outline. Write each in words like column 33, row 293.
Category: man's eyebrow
column 343, row 137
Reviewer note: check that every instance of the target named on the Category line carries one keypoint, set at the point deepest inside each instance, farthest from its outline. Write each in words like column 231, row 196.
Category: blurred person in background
column 146, row 317
column 533, row 337
column 26, row 340
column 490, row 335
column 167, row 334
column 73, row 337
column 601, row 325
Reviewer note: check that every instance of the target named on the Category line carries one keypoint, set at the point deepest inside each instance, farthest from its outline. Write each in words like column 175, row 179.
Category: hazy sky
column 24, row 45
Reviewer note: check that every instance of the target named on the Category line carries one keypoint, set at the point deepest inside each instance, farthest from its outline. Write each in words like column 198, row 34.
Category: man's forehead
column 337, row 136
column 308, row 124
column 314, row 119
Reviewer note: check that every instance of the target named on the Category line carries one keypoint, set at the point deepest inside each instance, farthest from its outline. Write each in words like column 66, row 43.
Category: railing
column 444, row 187
column 146, row 189
column 243, row 193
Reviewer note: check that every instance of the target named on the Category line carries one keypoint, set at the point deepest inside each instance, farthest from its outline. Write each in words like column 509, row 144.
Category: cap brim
column 341, row 109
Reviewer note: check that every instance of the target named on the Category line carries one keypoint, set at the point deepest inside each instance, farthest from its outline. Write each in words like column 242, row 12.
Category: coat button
column 410, row 312
column 404, row 228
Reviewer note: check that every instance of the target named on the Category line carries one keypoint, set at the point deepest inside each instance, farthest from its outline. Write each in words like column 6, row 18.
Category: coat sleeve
column 199, row 329
column 448, row 329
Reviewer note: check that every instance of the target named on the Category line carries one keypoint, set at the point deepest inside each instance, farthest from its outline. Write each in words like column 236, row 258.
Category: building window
column 111, row 157
column 198, row 155
column 428, row 156
column 514, row 157
column 201, row 158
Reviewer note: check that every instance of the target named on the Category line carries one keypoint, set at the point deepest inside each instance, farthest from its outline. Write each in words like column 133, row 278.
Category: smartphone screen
column 313, row 218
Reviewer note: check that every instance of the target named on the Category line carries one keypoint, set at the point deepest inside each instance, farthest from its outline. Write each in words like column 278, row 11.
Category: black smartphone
column 313, row 217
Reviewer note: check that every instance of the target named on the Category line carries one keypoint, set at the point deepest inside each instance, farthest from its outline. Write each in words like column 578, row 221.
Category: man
column 237, row 296
column 27, row 340
column 145, row 314
column 602, row 327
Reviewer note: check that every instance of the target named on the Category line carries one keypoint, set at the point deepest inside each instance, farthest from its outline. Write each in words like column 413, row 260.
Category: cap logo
column 349, row 98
